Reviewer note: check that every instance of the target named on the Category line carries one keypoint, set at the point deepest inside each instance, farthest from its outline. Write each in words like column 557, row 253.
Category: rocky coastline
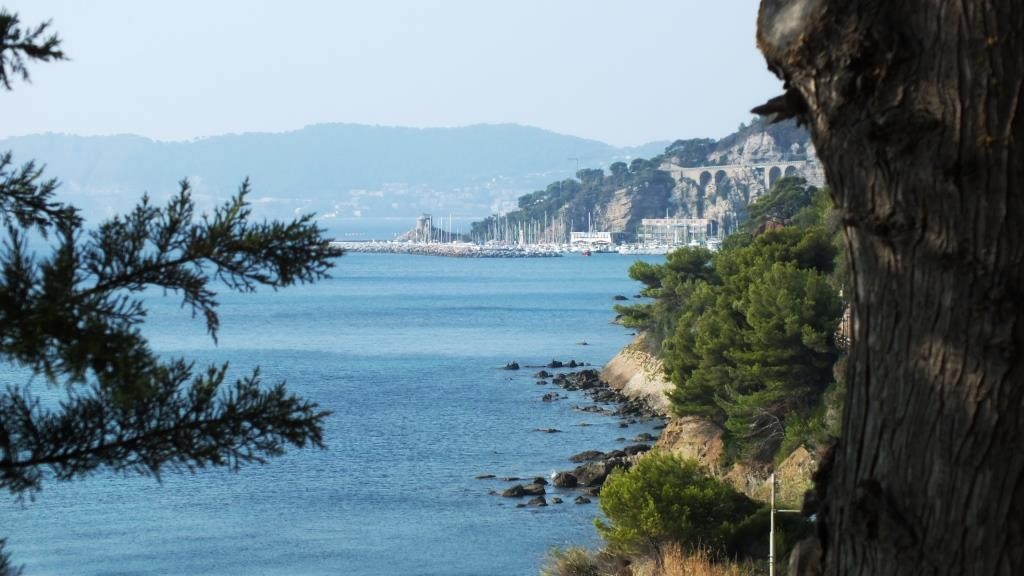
column 632, row 387
column 590, row 468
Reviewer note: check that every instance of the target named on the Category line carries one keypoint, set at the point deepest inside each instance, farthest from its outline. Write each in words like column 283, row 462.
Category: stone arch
column 720, row 176
column 774, row 173
column 791, row 171
column 704, row 179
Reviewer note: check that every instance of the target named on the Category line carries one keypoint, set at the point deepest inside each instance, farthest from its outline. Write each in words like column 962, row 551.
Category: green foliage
column 693, row 152
column 787, row 197
column 667, row 499
column 747, row 334
column 73, row 316
column 573, row 562
column 750, row 537
column 575, row 202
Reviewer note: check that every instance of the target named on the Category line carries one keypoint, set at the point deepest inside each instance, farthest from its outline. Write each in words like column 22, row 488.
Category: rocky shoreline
column 592, row 466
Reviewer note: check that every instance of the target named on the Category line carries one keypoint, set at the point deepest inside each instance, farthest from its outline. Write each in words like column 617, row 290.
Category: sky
column 624, row 73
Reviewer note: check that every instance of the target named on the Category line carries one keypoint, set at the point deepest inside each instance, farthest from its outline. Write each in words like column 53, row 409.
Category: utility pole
column 771, row 533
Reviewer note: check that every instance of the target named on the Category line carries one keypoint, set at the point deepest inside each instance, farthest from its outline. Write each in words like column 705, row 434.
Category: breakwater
column 453, row 249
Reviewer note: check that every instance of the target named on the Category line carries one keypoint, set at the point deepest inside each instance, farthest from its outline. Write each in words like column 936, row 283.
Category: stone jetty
column 453, row 249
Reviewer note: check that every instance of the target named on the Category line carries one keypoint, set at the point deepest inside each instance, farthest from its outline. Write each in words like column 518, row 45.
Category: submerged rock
column 512, row 366
column 538, row 501
column 484, row 477
column 582, row 500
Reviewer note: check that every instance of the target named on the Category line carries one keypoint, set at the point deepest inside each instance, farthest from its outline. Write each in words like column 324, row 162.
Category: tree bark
column 914, row 108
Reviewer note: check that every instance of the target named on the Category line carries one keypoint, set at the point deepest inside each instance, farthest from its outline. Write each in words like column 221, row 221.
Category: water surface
column 405, row 350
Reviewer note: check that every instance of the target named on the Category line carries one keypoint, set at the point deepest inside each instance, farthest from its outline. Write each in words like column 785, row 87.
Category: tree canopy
column 72, row 317
column 747, row 334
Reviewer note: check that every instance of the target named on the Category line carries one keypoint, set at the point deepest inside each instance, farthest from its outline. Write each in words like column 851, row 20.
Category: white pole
column 771, row 534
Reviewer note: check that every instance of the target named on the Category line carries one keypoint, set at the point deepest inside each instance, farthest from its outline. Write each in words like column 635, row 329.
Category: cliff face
column 737, row 170
column 638, row 374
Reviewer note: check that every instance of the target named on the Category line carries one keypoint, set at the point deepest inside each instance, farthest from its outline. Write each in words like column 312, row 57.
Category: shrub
column 664, row 498
column 573, row 562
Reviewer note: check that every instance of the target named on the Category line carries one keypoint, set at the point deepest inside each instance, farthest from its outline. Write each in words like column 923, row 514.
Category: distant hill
column 336, row 170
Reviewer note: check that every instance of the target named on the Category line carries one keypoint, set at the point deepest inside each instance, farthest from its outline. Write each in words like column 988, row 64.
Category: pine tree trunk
column 914, row 108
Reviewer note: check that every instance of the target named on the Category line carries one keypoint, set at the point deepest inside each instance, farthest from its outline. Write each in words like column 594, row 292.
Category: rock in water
column 636, row 449
column 516, row 491
column 533, row 490
column 595, row 473
column 586, row 455
column 564, row 480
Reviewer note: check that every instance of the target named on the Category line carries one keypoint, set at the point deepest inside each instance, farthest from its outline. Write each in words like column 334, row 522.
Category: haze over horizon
column 655, row 71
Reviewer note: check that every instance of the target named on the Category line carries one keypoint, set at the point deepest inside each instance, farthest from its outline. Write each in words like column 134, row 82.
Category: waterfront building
column 592, row 240
column 676, row 231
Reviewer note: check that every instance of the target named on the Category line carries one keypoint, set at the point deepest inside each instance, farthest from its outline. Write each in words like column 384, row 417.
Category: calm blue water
column 405, row 351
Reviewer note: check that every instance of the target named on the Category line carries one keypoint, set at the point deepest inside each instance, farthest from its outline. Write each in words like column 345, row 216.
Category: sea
column 408, row 354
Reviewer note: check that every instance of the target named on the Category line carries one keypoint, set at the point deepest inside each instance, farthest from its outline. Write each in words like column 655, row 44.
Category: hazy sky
column 621, row 72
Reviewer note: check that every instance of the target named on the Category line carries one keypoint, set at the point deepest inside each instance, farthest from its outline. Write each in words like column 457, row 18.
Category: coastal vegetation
column 748, row 334
column 664, row 499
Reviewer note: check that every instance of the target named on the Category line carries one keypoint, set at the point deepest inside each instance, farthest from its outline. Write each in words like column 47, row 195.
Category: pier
column 451, row 249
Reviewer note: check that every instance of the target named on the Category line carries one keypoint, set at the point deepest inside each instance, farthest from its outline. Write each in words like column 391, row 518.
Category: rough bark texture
column 914, row 108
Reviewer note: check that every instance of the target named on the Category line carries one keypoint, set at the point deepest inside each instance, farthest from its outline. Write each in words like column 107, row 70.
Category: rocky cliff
column 638, row 374
column 699, row 178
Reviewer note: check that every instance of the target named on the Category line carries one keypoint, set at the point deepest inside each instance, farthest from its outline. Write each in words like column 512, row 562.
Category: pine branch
column 179, row 425
column 27, row 200
column 6, row 568
column 18, row 46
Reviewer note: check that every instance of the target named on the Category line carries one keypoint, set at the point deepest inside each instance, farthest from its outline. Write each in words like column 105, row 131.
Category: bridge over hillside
column 710, row 177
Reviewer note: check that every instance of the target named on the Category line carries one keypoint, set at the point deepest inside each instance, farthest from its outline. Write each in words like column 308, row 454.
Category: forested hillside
column 617, row 200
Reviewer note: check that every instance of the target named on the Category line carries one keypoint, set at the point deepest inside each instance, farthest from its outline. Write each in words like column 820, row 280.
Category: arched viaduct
column 710, row 177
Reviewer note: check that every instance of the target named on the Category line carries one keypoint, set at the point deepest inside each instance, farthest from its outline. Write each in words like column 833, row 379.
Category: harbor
column 653, row 237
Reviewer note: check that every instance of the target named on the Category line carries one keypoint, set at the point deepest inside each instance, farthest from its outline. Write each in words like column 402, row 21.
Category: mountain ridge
column 341, row 169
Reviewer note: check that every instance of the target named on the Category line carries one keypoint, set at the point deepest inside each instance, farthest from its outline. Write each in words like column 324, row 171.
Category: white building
column 676, row 231
column 591, row 240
